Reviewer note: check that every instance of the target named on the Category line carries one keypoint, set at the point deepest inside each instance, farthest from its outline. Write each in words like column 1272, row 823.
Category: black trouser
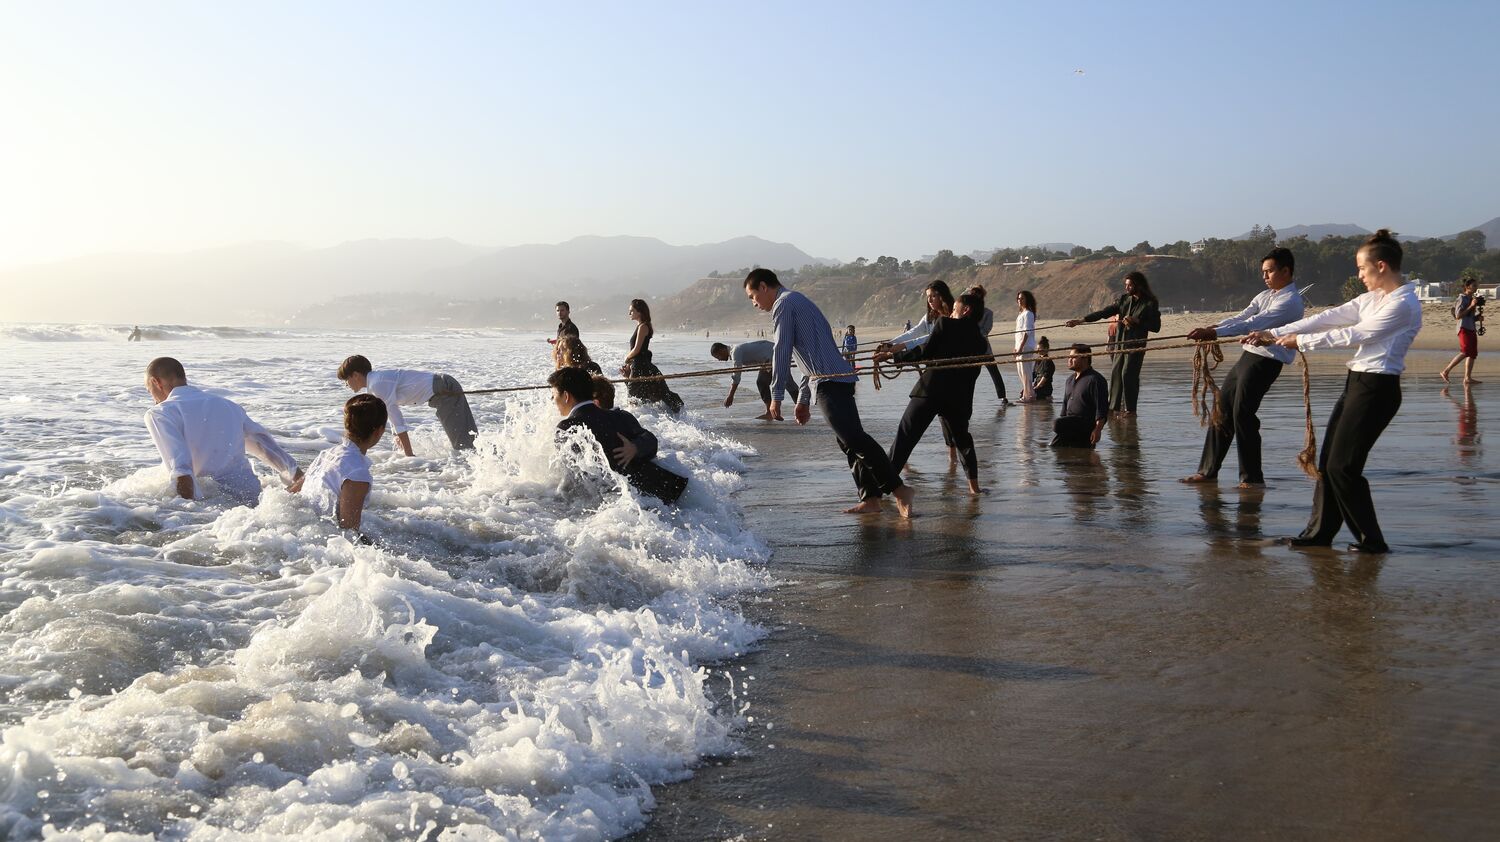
column 763, row 385
column 1342, row 495
column 919, row 415
column 1239, row 400
column 1072, row 431
column 994, row 371
column 1125, row 378
column 871, row 467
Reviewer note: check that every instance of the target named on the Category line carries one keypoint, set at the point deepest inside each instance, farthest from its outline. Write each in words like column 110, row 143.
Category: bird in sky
column 1078, row 73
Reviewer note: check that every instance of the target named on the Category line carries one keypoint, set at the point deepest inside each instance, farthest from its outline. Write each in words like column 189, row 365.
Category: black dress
column 641, row 366
column 1041, row 384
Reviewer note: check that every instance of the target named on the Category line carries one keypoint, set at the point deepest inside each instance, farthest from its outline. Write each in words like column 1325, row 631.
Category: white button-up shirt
column 1272, row 308
column 204, row 435
column 1382, row 324
column 399, row 387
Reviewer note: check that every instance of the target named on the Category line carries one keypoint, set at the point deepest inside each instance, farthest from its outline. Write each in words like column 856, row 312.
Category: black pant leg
column 763, row 385
column 963, row 441
column 999, row 381
column 1371, row 401
column 1251, row 389
column 1072, row 431
column 914, row 422
column 1217, row 439
column 869, row 463
column 1326, row 519
column 1132, row 384
column 1117, row 382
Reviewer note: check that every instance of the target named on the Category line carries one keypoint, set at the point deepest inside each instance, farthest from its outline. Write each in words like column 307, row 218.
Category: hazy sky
column 847, row 128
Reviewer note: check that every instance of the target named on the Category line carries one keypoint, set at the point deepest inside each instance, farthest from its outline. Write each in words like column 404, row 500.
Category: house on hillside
column 1199, row 246
column 1431, row 290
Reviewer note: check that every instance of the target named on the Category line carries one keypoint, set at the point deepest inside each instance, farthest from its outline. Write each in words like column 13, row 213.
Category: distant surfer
column 204, row 435
column 400, row 387
column 757, row 352
column 135, row 335
column 800, row 328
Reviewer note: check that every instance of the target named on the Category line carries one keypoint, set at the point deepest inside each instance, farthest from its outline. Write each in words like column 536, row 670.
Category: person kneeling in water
column 630, row 449
column 338, row 481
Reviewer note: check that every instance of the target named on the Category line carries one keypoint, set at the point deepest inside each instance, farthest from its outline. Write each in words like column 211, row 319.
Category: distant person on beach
column 1139, row 315
column 800, row 328
column 1250, row 379
column 1382, row 324
column 638, row 362
column 758, row 352
column 1025, row 341
column 570, row 352
column 943, row 392
column 565, row 326
column 399, row 387
column 203, row 435
column 1465, row 310
column 1085, row 403
column 986, row 327
column 629, row 448
column 1045, row 370
column 908, row 324
column 338, row 480
column 135, row 335
column 851, row 345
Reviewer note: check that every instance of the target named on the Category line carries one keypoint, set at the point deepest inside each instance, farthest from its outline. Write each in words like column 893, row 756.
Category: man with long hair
column 1139, row 315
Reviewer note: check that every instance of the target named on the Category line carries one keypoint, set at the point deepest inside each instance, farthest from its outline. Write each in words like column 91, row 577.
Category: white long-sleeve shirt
column 399, row 387
column 1025, row 331
column 204, row 435
column 1272, row 308
column 917, row 336
column 1381, row 324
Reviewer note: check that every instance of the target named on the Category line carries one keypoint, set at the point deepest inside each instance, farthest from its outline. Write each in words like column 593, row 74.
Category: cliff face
column 1064, row 289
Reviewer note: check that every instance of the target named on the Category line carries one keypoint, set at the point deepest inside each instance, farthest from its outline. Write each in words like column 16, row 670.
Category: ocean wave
column 120, row 333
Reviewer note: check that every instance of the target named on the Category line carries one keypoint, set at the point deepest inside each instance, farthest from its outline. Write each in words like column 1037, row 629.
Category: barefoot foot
column 864, row 508
column 904, row 496
column 1444, row 374
column 1196, row 478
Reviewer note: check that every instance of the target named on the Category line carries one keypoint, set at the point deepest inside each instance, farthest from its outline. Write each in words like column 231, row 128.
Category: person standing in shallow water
column 1139, row 315
column 1382, row 324
column 638, row 362
column 800, row 328
column 1085, row 403
column 986, row 327
column 565, row 326
column 1250, row 379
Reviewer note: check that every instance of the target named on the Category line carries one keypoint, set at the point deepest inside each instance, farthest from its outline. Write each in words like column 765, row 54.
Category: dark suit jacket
column 606, row 426
column 566, row 328
column 951, row 338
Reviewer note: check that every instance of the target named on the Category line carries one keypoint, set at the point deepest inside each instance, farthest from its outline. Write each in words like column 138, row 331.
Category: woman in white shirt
column 339, row 480
column 1382, row 323
column 1025, row 341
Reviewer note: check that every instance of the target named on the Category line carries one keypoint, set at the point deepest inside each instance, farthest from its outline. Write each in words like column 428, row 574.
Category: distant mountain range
column 1491, row 231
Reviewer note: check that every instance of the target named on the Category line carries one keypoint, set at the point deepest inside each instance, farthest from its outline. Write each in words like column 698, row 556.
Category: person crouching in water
column 338, row 481
column 400, row 387
column 944, row 392
column 630, row 449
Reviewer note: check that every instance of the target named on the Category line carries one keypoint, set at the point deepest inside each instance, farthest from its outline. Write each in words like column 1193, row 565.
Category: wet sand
column 1096, row 651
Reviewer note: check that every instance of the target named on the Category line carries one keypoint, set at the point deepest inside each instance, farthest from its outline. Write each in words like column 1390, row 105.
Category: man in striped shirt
column 799, row 327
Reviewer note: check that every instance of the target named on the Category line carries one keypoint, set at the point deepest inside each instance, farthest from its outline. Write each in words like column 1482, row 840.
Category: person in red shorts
column 1467, row 313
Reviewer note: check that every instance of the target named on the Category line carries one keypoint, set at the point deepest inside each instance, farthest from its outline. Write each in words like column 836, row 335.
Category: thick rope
column 1308, row 458
column 1205, row 359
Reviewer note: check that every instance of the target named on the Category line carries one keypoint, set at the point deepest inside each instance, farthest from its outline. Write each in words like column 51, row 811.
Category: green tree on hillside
column 1080, row 251
column 1143, row 247
column 1353, row 288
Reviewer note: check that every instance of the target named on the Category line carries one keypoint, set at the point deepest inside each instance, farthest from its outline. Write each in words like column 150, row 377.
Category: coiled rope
column 1205, row 359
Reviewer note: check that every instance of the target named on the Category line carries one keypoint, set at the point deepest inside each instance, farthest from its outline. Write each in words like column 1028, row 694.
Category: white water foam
column 527, row 649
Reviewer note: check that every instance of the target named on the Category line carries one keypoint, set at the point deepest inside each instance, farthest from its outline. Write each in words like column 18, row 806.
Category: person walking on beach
column 757, row 352
column 1042, row 374
column 1025, row 341
column 986, row 327
column 203, row 435
column 1382, row 324
column 399, row 387
column 1258, row 367
column 942, row 392
column 851, row 345
column 799, row 328
column 629, row 448
column 1085, row 403
column 565, row 326
column 638, row 362
column 1465, row 310
column 1139, row 314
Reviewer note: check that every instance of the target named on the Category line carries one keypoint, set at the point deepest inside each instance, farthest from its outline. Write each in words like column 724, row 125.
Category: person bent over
column 744, row 355
column 399, row 387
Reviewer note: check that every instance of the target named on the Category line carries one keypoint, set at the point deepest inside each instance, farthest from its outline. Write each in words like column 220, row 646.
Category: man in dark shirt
column 630, row 449
column 1085, row 404
column 565, row 326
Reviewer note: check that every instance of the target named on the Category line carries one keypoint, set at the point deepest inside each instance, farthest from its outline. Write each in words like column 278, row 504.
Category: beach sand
column 1097, row 651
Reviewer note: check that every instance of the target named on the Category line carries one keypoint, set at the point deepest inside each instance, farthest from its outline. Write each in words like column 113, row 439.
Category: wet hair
column 977, row 290
column 1283, row 259
column 363, row 415
column 1143, row 285
column 1043, row 343
column 574, row 381
column 356, row 364
column 718, row 348
column 975, row 305
column 761, row 278
column 1028, row 299
column 166, row 368
column 640, row 306
column 604, row 391
column 563, row 304
column 572, row 352
column 1382, row 246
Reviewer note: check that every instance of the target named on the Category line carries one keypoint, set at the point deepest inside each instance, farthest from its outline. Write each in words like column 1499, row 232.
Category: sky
column 848, row 129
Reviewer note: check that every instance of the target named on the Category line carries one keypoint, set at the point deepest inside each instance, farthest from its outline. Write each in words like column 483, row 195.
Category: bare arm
column 351, row 509
column 405, row 441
